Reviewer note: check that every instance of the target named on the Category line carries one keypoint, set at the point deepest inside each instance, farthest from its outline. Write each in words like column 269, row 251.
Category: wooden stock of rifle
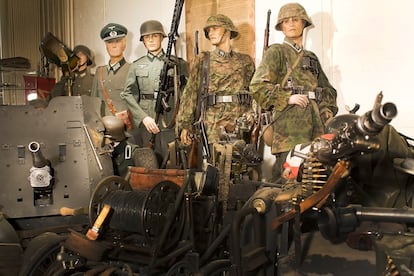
column 340, row 169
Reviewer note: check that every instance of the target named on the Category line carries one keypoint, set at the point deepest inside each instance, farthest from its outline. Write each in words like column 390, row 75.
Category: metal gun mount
column 354, row 134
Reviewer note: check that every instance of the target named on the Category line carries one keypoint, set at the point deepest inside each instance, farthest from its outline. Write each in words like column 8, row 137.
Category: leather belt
column 312, row 95
column 213, row 99
column 147, row 97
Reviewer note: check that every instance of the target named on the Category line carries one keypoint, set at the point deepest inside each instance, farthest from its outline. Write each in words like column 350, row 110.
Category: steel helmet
column 292, row 10
column 151, row 27
column 114, row 128
column 86, row 51
column 223, row 21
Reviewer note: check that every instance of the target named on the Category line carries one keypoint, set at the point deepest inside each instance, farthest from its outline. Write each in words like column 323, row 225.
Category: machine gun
column 354, row 134
column 164, row 93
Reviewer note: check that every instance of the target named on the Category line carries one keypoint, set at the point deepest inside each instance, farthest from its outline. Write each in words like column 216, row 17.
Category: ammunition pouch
column 310, row 64
column 241, row 98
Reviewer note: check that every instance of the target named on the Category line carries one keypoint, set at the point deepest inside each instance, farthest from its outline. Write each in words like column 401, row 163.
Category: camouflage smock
column 142, row 85
column 114, row 80
column 292, row 124
column 230, row 74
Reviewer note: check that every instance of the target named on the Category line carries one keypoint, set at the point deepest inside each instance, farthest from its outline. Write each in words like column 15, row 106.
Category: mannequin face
column 293, row 27
column 82, row 62
column 116, row 47
column 218, row 35
column 153, row 43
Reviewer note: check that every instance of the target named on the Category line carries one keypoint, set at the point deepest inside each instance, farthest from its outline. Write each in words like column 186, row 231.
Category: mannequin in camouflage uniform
column 124, row 153
column 291, row 82
column 229, row 76
column 142, row 86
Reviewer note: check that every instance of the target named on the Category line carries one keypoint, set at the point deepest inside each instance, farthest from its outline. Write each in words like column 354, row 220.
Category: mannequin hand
column 186, row 137
column 298, row 99
column 150, row 125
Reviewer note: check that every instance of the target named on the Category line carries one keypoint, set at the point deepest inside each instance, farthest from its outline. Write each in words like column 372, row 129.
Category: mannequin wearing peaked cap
column 111, row 76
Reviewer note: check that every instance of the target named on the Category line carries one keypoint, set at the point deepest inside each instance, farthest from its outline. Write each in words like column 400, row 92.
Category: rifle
column 255, row 132
column 196, row 48
column 164, row 94
column 193, row 160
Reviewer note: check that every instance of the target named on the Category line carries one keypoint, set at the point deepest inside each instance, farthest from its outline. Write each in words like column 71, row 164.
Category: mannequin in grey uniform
column 82, row 78
column 124, row 153
column 112, row 75
column 142, row 86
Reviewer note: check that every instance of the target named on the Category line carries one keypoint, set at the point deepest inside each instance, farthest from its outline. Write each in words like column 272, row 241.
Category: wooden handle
column 66, row 211
column 92, row 233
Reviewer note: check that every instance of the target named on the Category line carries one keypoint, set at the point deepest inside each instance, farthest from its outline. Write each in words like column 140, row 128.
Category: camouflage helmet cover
column 292, row 10
column 223, row 21
column 151, row 27
column 114, row 128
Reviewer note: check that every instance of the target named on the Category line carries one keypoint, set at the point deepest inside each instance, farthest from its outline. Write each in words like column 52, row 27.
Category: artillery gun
column 49, row 160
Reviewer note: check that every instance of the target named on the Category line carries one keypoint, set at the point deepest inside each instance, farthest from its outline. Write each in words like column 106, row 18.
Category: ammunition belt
column 241, row 98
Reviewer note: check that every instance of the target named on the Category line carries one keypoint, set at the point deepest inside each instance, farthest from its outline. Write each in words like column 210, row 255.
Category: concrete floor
column 321, row 257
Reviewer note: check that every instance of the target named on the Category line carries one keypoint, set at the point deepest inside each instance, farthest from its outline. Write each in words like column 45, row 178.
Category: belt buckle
column 155, row 95
column 227, row 99
column 311, row 95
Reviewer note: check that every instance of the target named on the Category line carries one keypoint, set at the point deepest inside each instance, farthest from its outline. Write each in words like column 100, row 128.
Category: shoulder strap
column 105, row 93
column 290, row 68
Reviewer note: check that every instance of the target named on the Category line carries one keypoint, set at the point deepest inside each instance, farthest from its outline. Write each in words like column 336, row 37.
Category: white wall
column 363, row 46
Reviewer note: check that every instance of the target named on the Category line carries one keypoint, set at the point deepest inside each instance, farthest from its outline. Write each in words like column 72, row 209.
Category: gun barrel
column 384, row 214
column 373, row 121
column 39, row 161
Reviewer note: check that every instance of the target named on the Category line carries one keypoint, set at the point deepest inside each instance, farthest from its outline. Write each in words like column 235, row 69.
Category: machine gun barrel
column 338, row 222
column 373, row 121
column 39, row 161
column 384, row 214
column 355, row 134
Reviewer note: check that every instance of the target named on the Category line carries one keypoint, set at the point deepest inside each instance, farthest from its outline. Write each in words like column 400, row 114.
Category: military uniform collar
column 222, row 53
column 81, row 74
column 115, row 67
column 151, row 57
column 293, row 45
